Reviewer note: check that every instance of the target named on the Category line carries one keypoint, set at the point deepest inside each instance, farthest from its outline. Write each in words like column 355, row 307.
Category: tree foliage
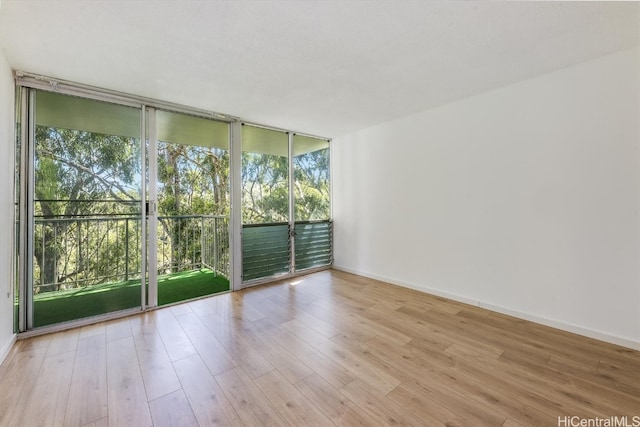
column 192, row 181
column 77, row 175
column 265, row 187
column 311, row 185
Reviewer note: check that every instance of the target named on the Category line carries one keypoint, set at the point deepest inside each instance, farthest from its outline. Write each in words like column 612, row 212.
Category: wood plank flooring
column 319, row 350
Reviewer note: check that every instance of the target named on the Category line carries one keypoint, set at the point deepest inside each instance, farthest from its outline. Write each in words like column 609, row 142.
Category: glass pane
column 311, row 172
column 265, row 176
column 265, row 203
column 87, row 190
column 193, row 207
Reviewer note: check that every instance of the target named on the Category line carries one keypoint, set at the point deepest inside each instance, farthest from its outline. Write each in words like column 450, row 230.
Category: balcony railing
column 77, row 252
column 84, row 251
column 190, row 242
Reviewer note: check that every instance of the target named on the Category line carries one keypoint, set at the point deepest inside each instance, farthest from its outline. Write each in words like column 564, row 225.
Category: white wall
column 6, row 204
column 524, row 200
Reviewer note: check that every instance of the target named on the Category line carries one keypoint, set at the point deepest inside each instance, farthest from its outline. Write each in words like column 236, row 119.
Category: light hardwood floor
column 323, row 349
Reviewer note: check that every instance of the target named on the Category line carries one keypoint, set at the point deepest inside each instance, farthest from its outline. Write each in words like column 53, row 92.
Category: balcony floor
column 61, row 306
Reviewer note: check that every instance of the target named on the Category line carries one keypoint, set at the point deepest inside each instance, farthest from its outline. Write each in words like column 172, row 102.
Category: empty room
column 319, row 213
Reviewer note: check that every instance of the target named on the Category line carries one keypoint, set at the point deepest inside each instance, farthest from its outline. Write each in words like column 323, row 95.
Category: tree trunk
column 174, row 154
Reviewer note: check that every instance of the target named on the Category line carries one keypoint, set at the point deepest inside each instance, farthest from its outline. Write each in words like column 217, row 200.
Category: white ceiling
column 321, row 67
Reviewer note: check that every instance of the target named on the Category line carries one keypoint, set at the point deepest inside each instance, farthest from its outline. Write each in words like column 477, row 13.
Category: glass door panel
column 313, row 231
column 85, row 238
column 266, row 249
column 192, row 224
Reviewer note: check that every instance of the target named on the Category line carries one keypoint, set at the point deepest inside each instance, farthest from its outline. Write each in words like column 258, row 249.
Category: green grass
column 61, row 306
column 188, row 285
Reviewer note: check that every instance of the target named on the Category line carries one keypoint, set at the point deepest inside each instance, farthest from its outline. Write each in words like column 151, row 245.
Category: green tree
column 265, row 188
column 311, row 185
column 192, row 180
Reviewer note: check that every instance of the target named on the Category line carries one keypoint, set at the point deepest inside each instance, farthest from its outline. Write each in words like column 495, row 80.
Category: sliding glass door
column 191, row 222
column 111, row 224
column 85, row 237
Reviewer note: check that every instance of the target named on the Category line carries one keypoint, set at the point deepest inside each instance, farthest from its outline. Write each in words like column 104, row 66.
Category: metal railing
column 84, row 251
column 188, row 242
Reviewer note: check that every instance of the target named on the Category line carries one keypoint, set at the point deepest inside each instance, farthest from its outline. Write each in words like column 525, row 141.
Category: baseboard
column 579, row 330
column 569, row 327
column 7, row 348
